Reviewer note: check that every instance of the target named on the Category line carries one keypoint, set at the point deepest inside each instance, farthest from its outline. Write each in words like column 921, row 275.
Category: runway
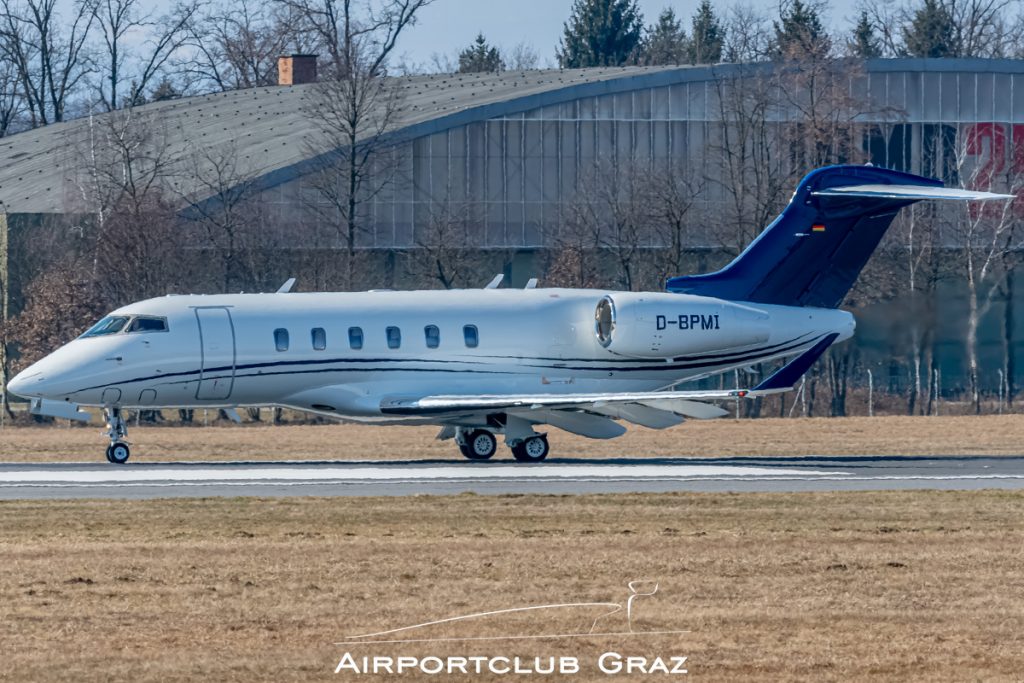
column 558, row 476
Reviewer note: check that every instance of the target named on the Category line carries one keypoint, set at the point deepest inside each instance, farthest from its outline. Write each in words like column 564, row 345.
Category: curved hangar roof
column 266, row 129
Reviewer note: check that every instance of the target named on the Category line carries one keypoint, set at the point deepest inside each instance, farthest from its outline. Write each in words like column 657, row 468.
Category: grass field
column 868, row 586
column 954, row 435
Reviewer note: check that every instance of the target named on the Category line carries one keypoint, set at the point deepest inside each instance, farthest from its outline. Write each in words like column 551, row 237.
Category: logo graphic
column 608, row 662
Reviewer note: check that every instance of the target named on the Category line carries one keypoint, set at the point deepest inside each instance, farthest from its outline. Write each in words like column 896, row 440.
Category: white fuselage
column 228, row 350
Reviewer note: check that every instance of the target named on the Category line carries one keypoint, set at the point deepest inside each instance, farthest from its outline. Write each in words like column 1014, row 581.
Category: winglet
column 787, row 376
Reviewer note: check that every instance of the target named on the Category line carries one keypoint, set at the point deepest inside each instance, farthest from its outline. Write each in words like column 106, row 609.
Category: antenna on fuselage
column 287, row 286
column 493, row 284
column 531, row 283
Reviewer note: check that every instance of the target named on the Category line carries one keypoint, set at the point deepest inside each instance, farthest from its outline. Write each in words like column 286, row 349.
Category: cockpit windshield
column 112, row 324
column 144, row 323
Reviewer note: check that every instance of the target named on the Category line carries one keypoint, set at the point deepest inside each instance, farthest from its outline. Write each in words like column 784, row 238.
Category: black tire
column 534, row 449
column 480, row 445
column 118, row 453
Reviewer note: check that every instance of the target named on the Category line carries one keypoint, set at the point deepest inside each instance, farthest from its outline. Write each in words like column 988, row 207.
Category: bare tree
column 520, row 57
column 447, row 251
column 355, row 107
column 12, row 99
column 116, row 21
column 224, row 209
column 47, row 53
column 672, row 194
column 747, row 35
column 236, row 45
column 989, row 238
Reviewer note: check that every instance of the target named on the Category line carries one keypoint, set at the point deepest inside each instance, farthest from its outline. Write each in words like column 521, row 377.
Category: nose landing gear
column 117, row 430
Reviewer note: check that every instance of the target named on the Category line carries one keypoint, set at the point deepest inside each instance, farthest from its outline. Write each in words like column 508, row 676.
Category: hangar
column 514, row 148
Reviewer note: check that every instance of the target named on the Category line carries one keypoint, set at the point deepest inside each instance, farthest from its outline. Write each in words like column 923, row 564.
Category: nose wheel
column 118, row 453
column 117, row 430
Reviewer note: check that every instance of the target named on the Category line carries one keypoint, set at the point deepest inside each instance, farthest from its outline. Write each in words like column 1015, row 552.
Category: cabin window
column 319, row 339
column 394, row 337
column 112, row 324
column 433, row 336
column 143, row 323
column 281, row 339
column 355, row 338
column 471, row 335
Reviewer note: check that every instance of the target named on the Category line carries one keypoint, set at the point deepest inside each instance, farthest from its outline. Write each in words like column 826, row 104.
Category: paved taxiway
column 559, row 476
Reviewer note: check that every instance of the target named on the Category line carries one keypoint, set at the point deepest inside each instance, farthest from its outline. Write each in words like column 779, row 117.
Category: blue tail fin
column 812, row 254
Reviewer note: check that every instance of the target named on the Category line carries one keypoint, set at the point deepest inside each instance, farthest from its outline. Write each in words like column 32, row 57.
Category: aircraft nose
column 20, row 384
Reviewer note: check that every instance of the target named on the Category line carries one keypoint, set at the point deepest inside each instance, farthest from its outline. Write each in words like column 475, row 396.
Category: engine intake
column 669, row 325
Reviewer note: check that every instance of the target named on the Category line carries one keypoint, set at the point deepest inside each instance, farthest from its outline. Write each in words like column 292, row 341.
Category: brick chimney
column 296, row 69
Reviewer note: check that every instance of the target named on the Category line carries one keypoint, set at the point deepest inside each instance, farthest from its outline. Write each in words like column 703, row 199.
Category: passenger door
column 217, row 341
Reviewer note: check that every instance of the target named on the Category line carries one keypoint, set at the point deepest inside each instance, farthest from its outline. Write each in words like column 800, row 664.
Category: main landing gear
column 480, row 444
column 533, row 449
column 118, row 451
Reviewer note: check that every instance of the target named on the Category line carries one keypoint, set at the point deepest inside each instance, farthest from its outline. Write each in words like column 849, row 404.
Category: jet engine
column 646, row 325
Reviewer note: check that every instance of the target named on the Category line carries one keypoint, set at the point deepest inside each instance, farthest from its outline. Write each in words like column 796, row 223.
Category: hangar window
column 144, row 323
column 471, row 335
column 110, row 325
column 433, row 336
column 355, row 337
column 281, row 339
column 394, row 337
column 319, row 339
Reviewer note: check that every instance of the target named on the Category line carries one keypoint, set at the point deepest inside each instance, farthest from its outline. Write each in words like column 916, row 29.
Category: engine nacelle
column 655, row 325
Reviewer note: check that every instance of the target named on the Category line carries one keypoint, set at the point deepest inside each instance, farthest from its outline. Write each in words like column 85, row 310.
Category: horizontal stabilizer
column 785, row 377
column 918, row 192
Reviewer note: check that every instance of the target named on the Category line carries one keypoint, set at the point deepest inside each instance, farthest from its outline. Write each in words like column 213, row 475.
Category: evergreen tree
column 800, row 33
column 666, row 41
column 164, row 90
column 864, row 43
column 707, row 36
column 931, row 32
column 601, row 33
column 480, row 57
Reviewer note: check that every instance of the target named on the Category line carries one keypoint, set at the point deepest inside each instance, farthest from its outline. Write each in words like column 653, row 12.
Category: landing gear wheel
column 479, row 444
column 118, row 453
column 533, row 449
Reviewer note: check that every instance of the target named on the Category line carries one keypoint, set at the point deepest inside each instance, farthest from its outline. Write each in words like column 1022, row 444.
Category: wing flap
column 640, row 414
column 694, row 409
column 584, row 424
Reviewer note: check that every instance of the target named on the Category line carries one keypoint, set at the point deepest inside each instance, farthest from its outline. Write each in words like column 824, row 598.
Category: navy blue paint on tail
column 787, row 376
column 792, row 264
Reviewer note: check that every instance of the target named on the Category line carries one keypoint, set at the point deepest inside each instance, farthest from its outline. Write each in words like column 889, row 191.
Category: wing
column 683, row 400
column 591, row 415
column 594, row 415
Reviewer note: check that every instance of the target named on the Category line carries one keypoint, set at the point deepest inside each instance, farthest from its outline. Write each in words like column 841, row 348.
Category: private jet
column 497, row 361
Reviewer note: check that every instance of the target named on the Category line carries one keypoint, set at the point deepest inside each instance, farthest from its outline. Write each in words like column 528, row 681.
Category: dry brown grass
column 984, row 435
column 882, row 586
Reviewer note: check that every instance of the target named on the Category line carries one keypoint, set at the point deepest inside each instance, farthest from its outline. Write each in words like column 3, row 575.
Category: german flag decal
column 818, row 228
